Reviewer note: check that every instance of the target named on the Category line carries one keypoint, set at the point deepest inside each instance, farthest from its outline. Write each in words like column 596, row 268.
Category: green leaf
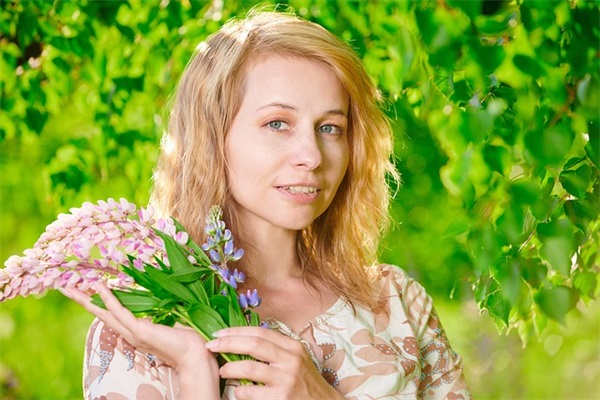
column 207, row 319
column 168, row 303
column 235, row 311
column 586, row 282
column 209, row 284
column 592, row 149
column 488, row 57
column 462, row 92
column 36, row 119
column 164, row 319
column 550, row 145
column 558, row 244
column 533, row 271
column 556, row 302
column 159, row 283
column 582, row 212
column 508, row 276
column 578, row 181
column 177, row 260
column 254, row 318
column 544, row 206
column 498, row 158
column 511, row 223
column 588, row 96
column 528, row 65
column 197, row 288
column 129, row 83
column 524, row 191
column 472, row 8
column 455, row 228
column 186, row 275
column 498, row 306
column 134, row 302
column 485, row 245
column 145, row 280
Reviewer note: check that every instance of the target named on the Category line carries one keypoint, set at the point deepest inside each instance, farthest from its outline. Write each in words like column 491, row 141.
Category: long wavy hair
column 340, row 247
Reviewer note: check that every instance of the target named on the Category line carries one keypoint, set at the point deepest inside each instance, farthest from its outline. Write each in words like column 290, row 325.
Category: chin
column 297, row 223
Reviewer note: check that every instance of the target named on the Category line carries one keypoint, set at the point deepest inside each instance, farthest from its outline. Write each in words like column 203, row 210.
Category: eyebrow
column 335, row 111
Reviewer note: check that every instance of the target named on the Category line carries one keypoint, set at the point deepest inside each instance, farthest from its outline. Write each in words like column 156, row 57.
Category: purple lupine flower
column 228, row 248
column 239, row 253
column 232, row 282
column 243, row 300
column 214, row 256
column 249, row 299
column 224, row 272
column 239, row 276
column 94, row 242
column 255, row 300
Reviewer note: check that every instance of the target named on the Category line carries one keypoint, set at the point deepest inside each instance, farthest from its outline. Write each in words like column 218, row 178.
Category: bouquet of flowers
column 152, row 266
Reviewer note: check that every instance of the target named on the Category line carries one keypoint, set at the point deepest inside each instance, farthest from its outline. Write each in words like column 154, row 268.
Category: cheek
column 344, row 162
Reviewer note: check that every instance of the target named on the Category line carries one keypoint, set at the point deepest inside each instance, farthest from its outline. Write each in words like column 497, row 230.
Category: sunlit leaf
column 555, row 302
column 582, row 212
column 557, row 244
column 586, row 282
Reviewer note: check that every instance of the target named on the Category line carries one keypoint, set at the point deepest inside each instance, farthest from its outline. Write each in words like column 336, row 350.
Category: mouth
column 300, row 189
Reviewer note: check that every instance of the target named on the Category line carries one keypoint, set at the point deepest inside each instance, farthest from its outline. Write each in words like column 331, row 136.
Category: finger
column 255, row 331
column 83, row 299
column 260, row 348
column 105, row 315
column 251, row 370
column 113, row 304
column 252, row 392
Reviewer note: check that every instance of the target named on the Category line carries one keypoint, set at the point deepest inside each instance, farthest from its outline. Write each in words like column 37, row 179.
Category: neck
column 270, row 257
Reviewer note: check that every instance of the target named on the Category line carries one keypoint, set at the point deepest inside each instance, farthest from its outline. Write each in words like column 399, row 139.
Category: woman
column 276, row 120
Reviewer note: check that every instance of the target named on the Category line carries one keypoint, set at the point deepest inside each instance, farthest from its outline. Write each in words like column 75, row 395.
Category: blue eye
column 277, row 125
column 330, row 129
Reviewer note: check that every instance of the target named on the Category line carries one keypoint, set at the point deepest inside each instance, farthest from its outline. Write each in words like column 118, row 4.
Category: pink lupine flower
column 89, row 243
column 121, row 245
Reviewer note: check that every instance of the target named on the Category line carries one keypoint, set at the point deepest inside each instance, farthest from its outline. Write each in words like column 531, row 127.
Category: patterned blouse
column 396, row 351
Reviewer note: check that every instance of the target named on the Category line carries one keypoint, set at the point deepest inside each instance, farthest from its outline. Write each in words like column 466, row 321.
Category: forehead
column 293, row 76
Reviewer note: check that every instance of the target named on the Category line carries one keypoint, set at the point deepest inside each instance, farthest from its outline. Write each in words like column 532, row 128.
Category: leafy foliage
column 495, row 105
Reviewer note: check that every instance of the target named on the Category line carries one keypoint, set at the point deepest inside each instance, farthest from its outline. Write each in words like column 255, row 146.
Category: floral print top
column 396, row 351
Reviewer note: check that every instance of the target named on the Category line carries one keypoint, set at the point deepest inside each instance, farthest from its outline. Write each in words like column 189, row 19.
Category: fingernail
column 65, row 292
column 211, row 345
column 218, row 333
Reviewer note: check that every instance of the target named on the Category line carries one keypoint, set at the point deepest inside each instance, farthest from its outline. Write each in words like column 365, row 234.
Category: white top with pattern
column 396, row 351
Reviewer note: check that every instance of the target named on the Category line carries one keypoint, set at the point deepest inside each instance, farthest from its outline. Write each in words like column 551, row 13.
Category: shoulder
column 396, row 281
column 403, row 296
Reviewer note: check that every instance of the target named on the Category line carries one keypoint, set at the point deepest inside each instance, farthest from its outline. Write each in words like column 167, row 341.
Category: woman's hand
column 284, row 366
column 180, row 347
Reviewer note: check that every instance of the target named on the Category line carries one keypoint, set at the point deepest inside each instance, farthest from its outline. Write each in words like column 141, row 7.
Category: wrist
column 198, row 379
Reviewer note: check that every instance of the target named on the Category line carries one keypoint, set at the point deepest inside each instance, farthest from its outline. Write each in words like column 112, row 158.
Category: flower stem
column 182, row 314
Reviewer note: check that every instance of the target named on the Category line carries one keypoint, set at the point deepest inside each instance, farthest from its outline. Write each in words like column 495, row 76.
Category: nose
column 306, row 152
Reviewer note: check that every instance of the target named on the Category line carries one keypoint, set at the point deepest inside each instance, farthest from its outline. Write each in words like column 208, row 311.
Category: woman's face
column 287, row 148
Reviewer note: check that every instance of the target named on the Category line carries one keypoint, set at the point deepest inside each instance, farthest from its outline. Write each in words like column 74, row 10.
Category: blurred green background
column 495, row 106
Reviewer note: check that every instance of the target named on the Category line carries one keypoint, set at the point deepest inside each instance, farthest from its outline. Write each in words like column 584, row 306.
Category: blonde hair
column 340, row 246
